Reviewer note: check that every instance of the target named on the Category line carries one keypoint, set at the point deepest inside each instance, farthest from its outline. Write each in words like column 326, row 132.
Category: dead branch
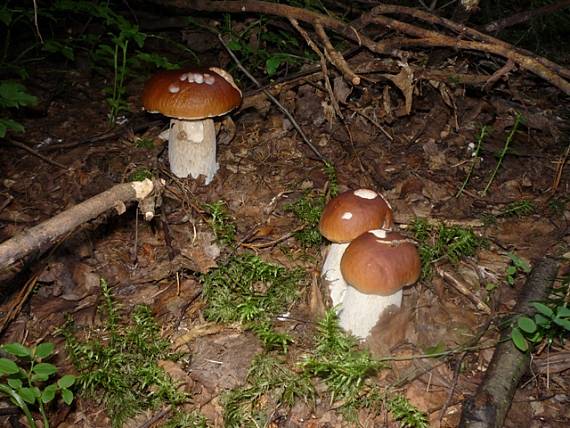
column 335, row 57
column 527, row 15
column 543, row 68
column 455, row 279
column 323, row 63
column 462, row 31
column 433, row 38
column 489, row 406
column 44, row 234
column 31, row 151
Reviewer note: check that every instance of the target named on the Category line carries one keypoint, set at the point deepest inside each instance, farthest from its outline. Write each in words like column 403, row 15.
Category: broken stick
column 44, row 234
column 490, row 404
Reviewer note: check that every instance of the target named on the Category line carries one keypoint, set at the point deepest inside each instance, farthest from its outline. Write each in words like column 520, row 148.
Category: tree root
column 465, row 38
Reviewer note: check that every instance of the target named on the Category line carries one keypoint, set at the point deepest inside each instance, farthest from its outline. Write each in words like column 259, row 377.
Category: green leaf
column 519, row 263
column 435, row 349
column 48, row 393
column 66, row 381
column 67, row 396
column 563, row 312
column 15, row 383
column 543, row 309
column 44, row 369
column 542, row 321
column 519, row 340
column 27, row 395
column 14, row 94
column 526, row 324
column 39, row 377
column 5, row 15
column 562, row 323
column 44, row 350
column 6, row 124
column 17, row 349
column 272, row 64
column 8, row 366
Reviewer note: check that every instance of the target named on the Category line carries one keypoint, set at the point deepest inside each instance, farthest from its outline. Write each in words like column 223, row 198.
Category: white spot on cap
column 379, row 233
column 346, row 216
column 173, row 88
column 209, row 79
column 183, row 77
column 366, row 194
column 190, row 78
column 198, row 78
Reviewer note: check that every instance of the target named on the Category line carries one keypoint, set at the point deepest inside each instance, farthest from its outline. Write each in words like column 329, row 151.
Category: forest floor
column 419, row 161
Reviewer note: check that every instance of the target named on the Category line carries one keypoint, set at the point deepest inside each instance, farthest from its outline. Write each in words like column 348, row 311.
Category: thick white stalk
column 331, row 273
column 192, row 148
column 360, row 312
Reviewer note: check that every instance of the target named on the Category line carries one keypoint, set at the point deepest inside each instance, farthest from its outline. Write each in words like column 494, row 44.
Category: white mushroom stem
column 360, row 312
column 331, row 273
column 192, row 148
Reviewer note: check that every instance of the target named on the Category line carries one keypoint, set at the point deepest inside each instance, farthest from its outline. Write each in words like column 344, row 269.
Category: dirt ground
column 418, row 160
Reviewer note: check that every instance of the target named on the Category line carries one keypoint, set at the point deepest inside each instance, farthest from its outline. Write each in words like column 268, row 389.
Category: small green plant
column 404, row 412
column 12, row 95
column 118, row 365
column 509, row 139
column 480, row 138
column 517, row 265
column 308, row 209
column 186, row 420
column 442, row 241
column 337, row 360
column 221, row 223
column 140, row 174
column 271, row 339
column 248, row 290
column 519, row 209
column 263, row 50
column 270, row 384
column 548, row 323
column 25, row 382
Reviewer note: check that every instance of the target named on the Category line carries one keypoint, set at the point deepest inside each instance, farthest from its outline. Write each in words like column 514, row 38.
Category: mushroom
column 376, row 265
column 191, row 98
column 345, row 217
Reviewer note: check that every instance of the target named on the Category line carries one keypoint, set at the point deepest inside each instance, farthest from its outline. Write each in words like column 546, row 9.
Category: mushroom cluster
column 344, row 218
column 367, row 264
column 191, row 98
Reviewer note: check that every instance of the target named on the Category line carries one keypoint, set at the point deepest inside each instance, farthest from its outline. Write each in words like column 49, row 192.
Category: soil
column 266, row 165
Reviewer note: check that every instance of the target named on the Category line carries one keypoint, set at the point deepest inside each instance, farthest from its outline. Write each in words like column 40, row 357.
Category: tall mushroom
column 376, row 265
column 345, row 217
column 191, row 98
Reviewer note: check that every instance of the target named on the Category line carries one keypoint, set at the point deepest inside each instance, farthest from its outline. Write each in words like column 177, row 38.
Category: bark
column 490, row 404
column 40, row 237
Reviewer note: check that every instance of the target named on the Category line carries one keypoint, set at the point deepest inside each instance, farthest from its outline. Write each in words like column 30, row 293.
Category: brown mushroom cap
column 194, row 94
column 380, row 262
column 354, row 212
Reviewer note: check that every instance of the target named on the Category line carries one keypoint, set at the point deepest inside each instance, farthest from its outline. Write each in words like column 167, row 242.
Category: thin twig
column 335, row 57
column 274, row 100
column 323, row 63
column 36, row 154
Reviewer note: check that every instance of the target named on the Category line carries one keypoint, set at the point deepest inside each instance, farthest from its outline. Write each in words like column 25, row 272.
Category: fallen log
column 490, row 404
column 40, row 237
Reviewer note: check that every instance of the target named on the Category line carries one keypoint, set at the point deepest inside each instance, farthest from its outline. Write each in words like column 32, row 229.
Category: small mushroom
column 376, row 265
column 344, row 218
column 191, row 98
